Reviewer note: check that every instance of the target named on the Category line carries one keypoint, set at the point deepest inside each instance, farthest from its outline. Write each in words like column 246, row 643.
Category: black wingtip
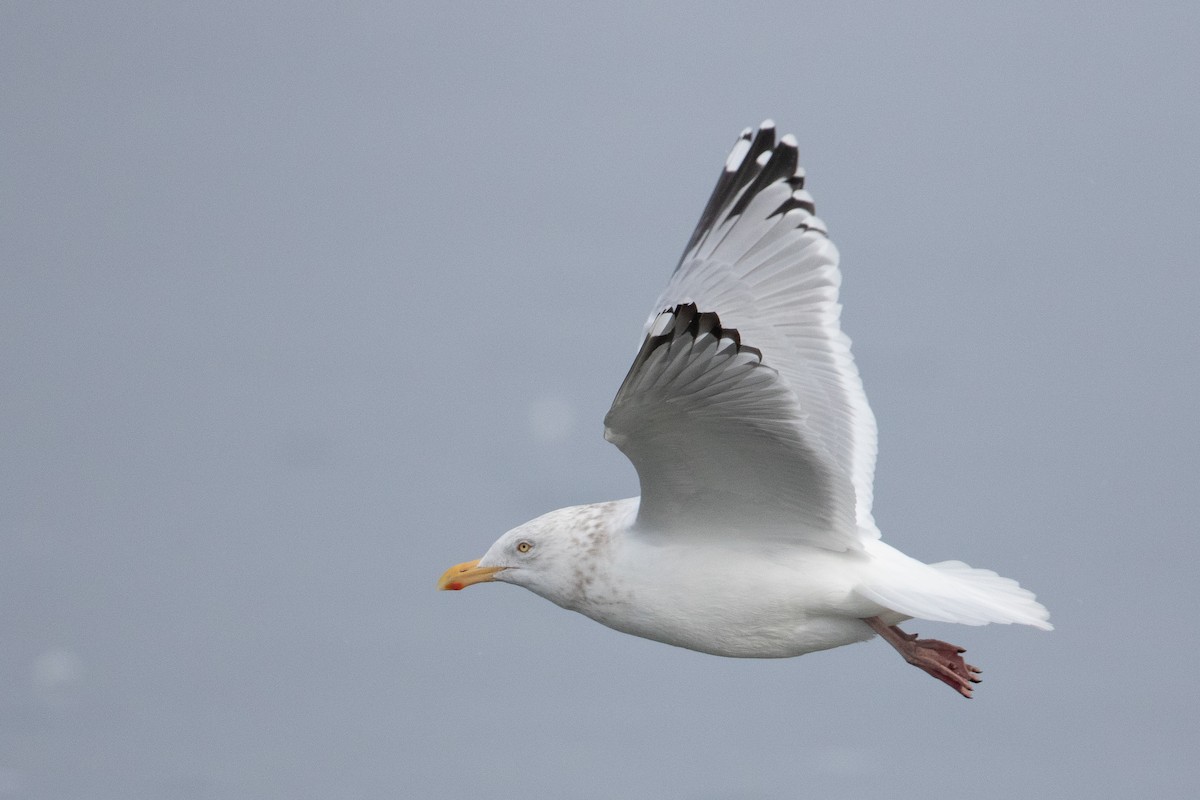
column 756, row 161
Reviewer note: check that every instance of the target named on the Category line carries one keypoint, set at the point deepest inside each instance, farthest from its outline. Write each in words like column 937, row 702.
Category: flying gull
column 745, row 417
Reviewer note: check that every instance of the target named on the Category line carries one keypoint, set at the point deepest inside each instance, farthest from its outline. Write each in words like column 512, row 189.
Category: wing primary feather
column 732, row 182
column 782, row 164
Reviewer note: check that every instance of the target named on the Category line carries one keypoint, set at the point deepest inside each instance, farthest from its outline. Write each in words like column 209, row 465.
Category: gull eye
column 524, row 546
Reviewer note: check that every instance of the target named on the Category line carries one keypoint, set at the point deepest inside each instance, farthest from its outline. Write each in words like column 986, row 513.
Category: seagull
column 746, row 420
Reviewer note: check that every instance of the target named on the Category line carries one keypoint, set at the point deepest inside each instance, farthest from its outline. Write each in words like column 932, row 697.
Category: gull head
column 554, row 556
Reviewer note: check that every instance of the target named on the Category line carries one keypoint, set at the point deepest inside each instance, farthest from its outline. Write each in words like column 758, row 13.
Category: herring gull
column 745, row 417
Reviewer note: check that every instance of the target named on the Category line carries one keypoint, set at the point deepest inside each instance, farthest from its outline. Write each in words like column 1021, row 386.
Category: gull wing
column 719, row 441
column 761, row 261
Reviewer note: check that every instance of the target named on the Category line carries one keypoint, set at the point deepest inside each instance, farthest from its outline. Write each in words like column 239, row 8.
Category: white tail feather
column 951, row 591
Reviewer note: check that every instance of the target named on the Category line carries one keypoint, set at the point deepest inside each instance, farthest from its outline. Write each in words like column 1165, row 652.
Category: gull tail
column 951, row 591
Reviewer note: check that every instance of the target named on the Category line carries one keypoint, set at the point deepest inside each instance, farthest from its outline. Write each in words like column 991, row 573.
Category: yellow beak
column 460, row 576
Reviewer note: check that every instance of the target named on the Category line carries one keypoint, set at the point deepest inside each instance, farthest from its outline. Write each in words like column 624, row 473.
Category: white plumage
column 746, row 420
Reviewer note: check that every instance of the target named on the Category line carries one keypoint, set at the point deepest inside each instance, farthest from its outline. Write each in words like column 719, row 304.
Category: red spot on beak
column 456, row 586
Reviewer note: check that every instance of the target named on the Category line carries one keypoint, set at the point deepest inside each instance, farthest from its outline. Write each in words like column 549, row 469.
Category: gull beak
column 460, row 576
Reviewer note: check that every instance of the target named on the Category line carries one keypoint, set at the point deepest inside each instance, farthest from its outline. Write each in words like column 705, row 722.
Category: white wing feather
column 774, row 437
column 761, row 259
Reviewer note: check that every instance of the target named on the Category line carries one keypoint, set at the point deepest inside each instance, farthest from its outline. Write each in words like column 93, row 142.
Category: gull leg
column 940, row 659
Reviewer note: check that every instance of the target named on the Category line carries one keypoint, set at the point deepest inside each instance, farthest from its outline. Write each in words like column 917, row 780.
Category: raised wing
column 719, row 442
column 761, row 259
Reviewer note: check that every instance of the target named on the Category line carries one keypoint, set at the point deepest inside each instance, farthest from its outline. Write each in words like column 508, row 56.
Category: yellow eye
column 524, row 547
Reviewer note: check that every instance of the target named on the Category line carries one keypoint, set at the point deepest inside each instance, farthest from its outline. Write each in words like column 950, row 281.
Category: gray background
column 299, row 306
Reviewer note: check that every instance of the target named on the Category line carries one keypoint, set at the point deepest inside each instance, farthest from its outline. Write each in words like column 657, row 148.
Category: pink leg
column 940, row 659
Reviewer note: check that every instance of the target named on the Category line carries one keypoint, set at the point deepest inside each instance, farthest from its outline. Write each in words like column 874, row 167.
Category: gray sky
column 300, row 307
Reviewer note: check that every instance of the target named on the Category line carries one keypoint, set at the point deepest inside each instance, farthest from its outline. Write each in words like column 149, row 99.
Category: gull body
column 708, row 595
column 745, row 417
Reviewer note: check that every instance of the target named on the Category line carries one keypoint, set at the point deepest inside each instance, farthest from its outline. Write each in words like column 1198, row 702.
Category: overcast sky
column 300, row 307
